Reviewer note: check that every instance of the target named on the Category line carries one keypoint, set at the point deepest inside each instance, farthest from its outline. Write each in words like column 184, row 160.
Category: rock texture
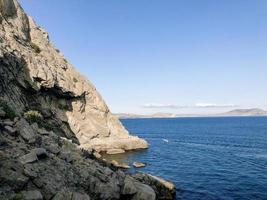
column 51, row 167
column 53, row 123
column 35, row 75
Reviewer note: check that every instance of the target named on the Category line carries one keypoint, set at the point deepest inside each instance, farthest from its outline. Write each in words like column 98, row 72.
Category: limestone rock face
column 35, row 75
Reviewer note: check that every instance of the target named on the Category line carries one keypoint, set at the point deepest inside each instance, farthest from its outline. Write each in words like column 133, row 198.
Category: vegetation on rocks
column 33, row 116
column 36, row 48
column 9, row 112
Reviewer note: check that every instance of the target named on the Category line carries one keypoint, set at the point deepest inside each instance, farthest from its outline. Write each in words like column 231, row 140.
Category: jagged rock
column 115, row 151
column 11, row 175
column 79, row 196
column 8, row 122
column 32, row 195
column 7, row 8
column 30, row 171
column 70, row 196
column 53, row 148
column 97, row 155
column 137, row 190
column 120, row 165
column 42, row 131
column 28, row 158
column 164, row 189
column 26, row 131
column 40, row 153
column 144, row 192
column 129, row 187
column 138, row 164
column 36, row 76
column 11, row 130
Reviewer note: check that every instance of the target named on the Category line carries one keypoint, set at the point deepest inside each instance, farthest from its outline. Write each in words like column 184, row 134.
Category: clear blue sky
column 180, row 56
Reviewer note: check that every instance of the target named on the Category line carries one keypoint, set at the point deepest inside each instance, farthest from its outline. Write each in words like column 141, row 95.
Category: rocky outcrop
column 52, row 167
column 164, row 189
column 35, row 75
column 53, row 123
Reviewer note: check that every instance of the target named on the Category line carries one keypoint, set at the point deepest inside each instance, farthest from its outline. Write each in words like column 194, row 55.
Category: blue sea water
column 206, row 158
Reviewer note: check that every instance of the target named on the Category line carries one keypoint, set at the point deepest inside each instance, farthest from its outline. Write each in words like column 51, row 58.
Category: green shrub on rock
column 10, row 113
column 35, row 48
column 33, row 116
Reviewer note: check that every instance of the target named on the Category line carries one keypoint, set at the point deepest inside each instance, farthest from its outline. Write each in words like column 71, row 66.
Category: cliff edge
column 52, row 122
column 36, row 76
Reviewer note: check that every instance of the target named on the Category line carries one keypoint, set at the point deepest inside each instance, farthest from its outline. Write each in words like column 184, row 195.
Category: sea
column 205, row 157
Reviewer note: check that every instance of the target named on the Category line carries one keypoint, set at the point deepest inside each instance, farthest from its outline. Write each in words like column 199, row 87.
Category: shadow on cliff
column 23, row 94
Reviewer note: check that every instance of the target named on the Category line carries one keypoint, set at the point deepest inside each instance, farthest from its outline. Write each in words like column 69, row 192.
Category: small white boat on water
column 165, row 140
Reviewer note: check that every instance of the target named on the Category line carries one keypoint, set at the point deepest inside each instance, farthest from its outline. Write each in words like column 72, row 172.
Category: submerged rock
column 120, row 165
column 138, row 164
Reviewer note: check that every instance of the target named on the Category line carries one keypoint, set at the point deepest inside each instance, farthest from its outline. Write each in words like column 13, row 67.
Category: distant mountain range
column 246, row 112
column 236, row 112
column 155, row 115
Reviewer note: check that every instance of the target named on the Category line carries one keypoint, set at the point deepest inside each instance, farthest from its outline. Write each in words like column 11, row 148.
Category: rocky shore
column 53, row 124
column 37, row 164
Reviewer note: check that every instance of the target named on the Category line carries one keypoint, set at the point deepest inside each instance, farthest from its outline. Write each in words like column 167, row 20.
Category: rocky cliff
column 48, row 111
column 37, row 164
column 36, row 76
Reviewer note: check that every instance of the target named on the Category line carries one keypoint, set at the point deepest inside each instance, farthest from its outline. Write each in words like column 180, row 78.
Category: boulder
column 79, row 196
column 40, row 152
column 28, row 158
column 32, row 195
column 129, row 187
column 164, row 189
column 11, row 176
column 53, row 148
column 138, row 164
column 136, row 190
column 97, row 155
column 29, row 171
column 26, row 131
column 120, row 165
column 144, row 192
column 115, row 151
column 66, row 195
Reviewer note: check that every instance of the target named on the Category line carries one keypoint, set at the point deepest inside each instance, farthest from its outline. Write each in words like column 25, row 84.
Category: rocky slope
column 37, row 164
column 50, row 119
column 35, row 75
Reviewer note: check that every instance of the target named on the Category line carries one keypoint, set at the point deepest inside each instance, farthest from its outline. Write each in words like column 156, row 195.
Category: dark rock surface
column 52, row 167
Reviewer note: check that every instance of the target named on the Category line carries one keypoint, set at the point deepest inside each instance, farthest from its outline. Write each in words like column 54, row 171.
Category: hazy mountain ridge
column 246, row 112
column 236, row 112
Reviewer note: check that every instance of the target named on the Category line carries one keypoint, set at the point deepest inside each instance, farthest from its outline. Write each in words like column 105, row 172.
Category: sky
column 176, row 56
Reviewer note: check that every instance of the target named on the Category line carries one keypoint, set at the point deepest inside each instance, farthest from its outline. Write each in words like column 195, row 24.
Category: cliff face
column 35, row 76
column 47, row 112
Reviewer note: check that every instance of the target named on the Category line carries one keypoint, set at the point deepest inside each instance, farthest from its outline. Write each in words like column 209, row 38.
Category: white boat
column 165, row 140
